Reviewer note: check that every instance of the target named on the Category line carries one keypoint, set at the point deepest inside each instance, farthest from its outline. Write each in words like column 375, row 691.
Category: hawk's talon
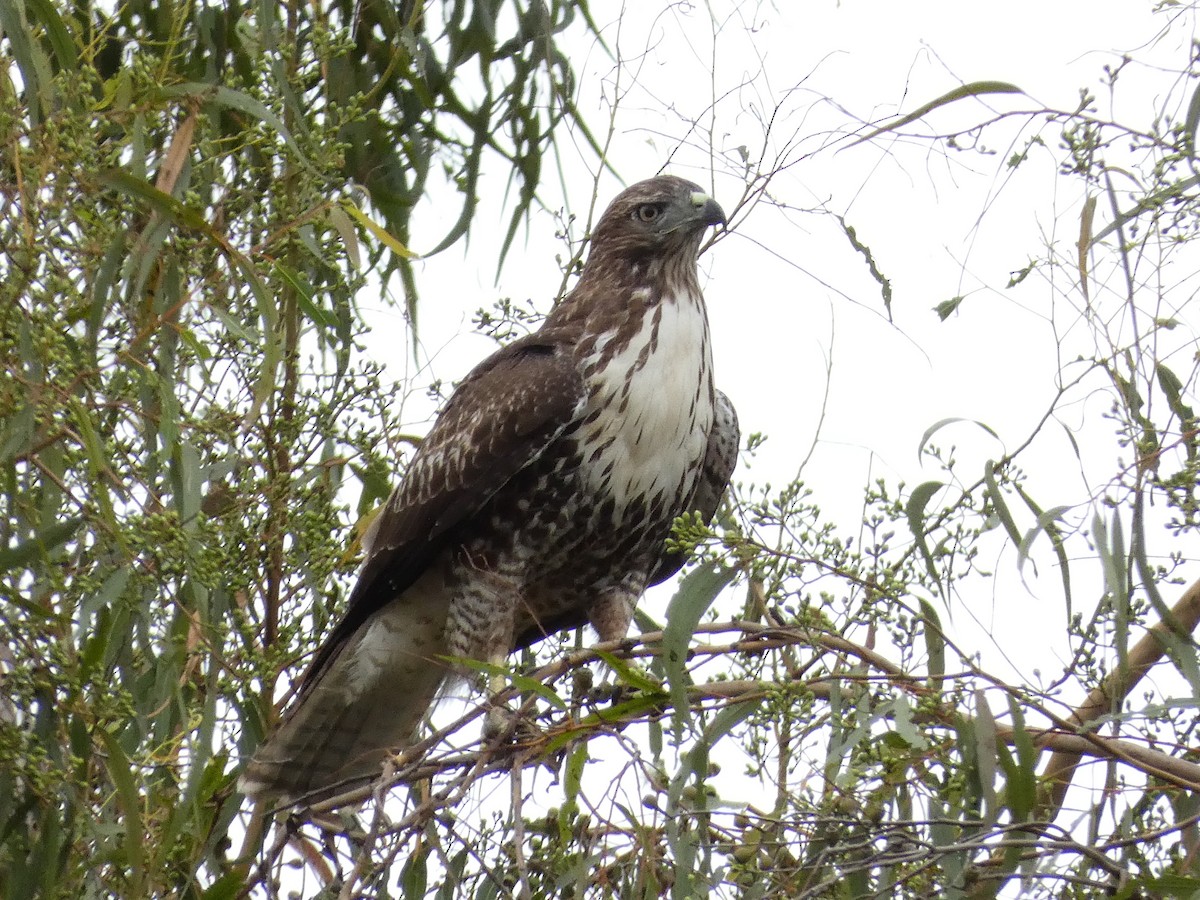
column 500, row 725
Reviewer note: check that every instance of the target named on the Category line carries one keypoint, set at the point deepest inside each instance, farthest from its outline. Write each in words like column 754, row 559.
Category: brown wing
column 502, row 417
column 376, row 674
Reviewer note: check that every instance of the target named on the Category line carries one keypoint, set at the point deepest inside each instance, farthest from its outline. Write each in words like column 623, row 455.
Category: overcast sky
column 798, row 323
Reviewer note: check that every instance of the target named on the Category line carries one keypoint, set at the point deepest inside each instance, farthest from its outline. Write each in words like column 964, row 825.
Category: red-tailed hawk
column 540, row 500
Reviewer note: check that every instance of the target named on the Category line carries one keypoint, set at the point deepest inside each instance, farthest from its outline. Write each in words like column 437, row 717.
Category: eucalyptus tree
column 193, row 198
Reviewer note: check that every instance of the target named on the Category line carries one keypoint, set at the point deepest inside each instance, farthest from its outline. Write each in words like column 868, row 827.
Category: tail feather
column 367, row 702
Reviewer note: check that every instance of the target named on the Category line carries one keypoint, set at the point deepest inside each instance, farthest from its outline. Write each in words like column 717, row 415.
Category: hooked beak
column 707, row 209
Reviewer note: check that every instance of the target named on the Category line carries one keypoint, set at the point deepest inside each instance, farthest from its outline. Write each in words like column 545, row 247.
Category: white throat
column 655, row 406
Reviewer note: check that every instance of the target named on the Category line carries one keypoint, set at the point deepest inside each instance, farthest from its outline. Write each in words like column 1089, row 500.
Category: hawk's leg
column 500, row 723
column 611, row 613
column 480, row 626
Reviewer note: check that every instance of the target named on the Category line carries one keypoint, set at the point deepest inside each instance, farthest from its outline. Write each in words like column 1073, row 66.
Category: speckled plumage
column 540, row 500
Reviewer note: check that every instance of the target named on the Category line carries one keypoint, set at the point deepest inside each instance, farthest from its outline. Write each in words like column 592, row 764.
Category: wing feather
column 500, row 419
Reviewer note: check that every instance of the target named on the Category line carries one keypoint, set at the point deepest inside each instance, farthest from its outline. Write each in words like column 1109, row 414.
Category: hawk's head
column 661, row 217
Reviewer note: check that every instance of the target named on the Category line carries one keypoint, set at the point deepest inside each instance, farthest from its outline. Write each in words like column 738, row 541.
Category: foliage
column 192, row 196
column 187, row 418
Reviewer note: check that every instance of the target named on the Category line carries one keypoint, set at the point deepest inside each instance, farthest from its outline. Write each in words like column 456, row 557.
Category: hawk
column 540, row 500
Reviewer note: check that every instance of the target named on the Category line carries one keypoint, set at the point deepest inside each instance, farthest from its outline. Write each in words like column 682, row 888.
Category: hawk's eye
column 648, row 212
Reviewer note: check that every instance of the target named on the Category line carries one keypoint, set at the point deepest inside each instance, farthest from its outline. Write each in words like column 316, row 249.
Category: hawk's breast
column 650, row 408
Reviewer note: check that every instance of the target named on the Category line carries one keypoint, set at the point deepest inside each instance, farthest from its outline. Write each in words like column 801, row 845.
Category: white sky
column 787, row 293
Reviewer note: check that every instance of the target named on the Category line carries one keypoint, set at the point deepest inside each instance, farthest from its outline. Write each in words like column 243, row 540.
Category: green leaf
column 1046, row 521
column 1177, row 887
column 1114, row 561
column 942, row 423
column 38, row 546
column 470, row 200
column 885, row 283
column 1020, row 790
column 729, row 718
column 617, row 712
column 120, row 770
column 914, row 509
column 1022, row 273
column 572, row 777
column 161, row 202
column 272, row 340
column 1172, row 387
column 603, row 716
column 629, row 674
column 947, row 308
column 1176, row 639
column 95, row 604
column 16, row 430
column 962, row 92
column 35, row 68
column 454, row 873
column 645, row 622
column 935, row 643
column 1115, row 555
column 98, row 467
column 1192, row 122
column 380, row 233
column 985, row 753
column 345, row 229
column 1151, row 202
column 902, row 719
column 228, row 886
column 696, row 593
column 188, row 480
column 414, row 877
column 304, row 297
column 60, row 39
column 998, row 502
column 695, row 764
